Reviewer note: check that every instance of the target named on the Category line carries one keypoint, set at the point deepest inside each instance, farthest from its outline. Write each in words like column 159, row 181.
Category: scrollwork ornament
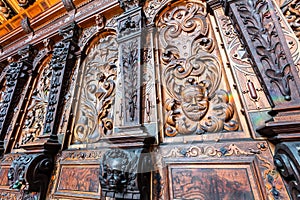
column 130, row 4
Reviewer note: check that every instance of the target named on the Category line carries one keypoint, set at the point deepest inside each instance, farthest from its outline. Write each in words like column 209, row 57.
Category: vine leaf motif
column 130, row 69
column 256, row 16
column 192, row 74
column 97, row 94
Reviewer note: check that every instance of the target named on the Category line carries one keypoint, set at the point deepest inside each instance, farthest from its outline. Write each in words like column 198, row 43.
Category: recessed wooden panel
column 3, row 175
column 78, row 180
column 34, row 10
column 212, row 182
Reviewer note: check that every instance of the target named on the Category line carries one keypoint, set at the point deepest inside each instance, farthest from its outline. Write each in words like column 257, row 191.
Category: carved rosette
column 195, row 102
column 16, row 77
column 125, row 174
column 259, row 28
column 62, row 62
column 95, row 118
column 287, row 162
column 31, row 173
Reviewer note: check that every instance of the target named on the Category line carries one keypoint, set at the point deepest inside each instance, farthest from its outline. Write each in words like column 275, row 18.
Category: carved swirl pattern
column 194, row 101
column 256, row 15
column 291, row 10
column 33, row 124
column 97, row 94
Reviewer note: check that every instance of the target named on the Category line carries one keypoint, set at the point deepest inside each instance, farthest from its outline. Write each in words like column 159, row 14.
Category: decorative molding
column 62, row 62
column 25, row 3
column 125, row 174
column 16, row 77
column 130, row 4
column 258, row 26
column 31, row 173
column 287, row 162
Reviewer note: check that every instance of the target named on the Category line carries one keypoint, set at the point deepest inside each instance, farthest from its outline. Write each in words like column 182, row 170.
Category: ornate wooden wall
column 152, row 99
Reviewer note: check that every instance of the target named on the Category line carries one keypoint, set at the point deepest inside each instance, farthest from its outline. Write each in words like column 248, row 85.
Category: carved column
column 287, row 161
column 16, row 78
column 257, row 24
column 62, row 62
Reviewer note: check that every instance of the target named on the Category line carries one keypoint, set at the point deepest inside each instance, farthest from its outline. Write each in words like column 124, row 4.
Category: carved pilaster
column 31, row 173
column 62, row 62
column 16, row 78
column 125, row 174
column 257, row 24
column 287, row 161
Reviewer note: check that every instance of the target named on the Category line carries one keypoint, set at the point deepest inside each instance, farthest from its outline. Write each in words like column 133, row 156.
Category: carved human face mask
column 194, row 102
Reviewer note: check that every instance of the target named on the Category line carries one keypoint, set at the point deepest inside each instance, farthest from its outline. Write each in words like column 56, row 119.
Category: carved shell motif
column 194, row 100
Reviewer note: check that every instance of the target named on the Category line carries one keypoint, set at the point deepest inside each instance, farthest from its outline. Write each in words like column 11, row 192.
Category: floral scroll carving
column 291, row 10
column 36, row 111
column 95, row 118
column 194, row 101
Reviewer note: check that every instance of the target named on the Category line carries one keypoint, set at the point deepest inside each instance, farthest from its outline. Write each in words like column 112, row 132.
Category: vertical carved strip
column 16, row 77
column 260, row 30
column 130, row 26
column 62, row 62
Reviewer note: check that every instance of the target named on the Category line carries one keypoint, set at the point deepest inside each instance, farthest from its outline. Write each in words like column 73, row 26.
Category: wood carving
column 62, row 62
column 31, row 173
column 129, row 4
column 287, row 161
column 25, row 24
column 16, row 77
column 258, row 26
column 69, row 5
column 95, row 117
column 5, row 10
column 25, row 3
column 124, row 174
column 195, row 103
column 36, row 111
column 291, row 10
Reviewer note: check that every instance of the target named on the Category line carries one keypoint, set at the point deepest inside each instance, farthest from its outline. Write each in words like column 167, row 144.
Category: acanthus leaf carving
column 195, row 103
column 95, row 118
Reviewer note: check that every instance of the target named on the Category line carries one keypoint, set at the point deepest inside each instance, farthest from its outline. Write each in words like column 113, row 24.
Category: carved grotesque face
column 194, row 102
column 115, row 173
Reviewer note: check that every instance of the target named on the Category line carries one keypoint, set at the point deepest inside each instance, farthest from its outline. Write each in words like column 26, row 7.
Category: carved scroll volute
column 16, row 78
column 258, row 26
column 125, row 174
column 62, row 62
column 287, row 162
column 31, row 173
column 195, row 101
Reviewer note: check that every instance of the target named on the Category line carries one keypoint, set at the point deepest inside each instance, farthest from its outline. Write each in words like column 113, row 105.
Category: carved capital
column 70, row 32
column 287, row 161
column 28, row 53
column 31, row 173
column 125, row 174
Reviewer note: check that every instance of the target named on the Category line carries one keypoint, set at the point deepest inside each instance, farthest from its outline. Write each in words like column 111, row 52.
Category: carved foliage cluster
column 194, row 101
column 130, row 62
column 291, row 10
column 97, row 94
column 129, row 4
column 260, row 24
column 36, row 111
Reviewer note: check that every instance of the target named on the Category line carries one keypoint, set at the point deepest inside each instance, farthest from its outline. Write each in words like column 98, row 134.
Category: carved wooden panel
column 32, row 125
column 241, row 170
column 76, row 175
column 196, row 98
column 291, row 11
column 94, row 118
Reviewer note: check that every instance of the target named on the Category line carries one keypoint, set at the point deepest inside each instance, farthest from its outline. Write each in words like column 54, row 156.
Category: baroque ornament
column 291, row 10
column 192, row 74
column 97, row 94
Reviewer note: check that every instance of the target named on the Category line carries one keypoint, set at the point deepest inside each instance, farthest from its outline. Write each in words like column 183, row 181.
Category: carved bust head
column 194, row 101
column 114, row 170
